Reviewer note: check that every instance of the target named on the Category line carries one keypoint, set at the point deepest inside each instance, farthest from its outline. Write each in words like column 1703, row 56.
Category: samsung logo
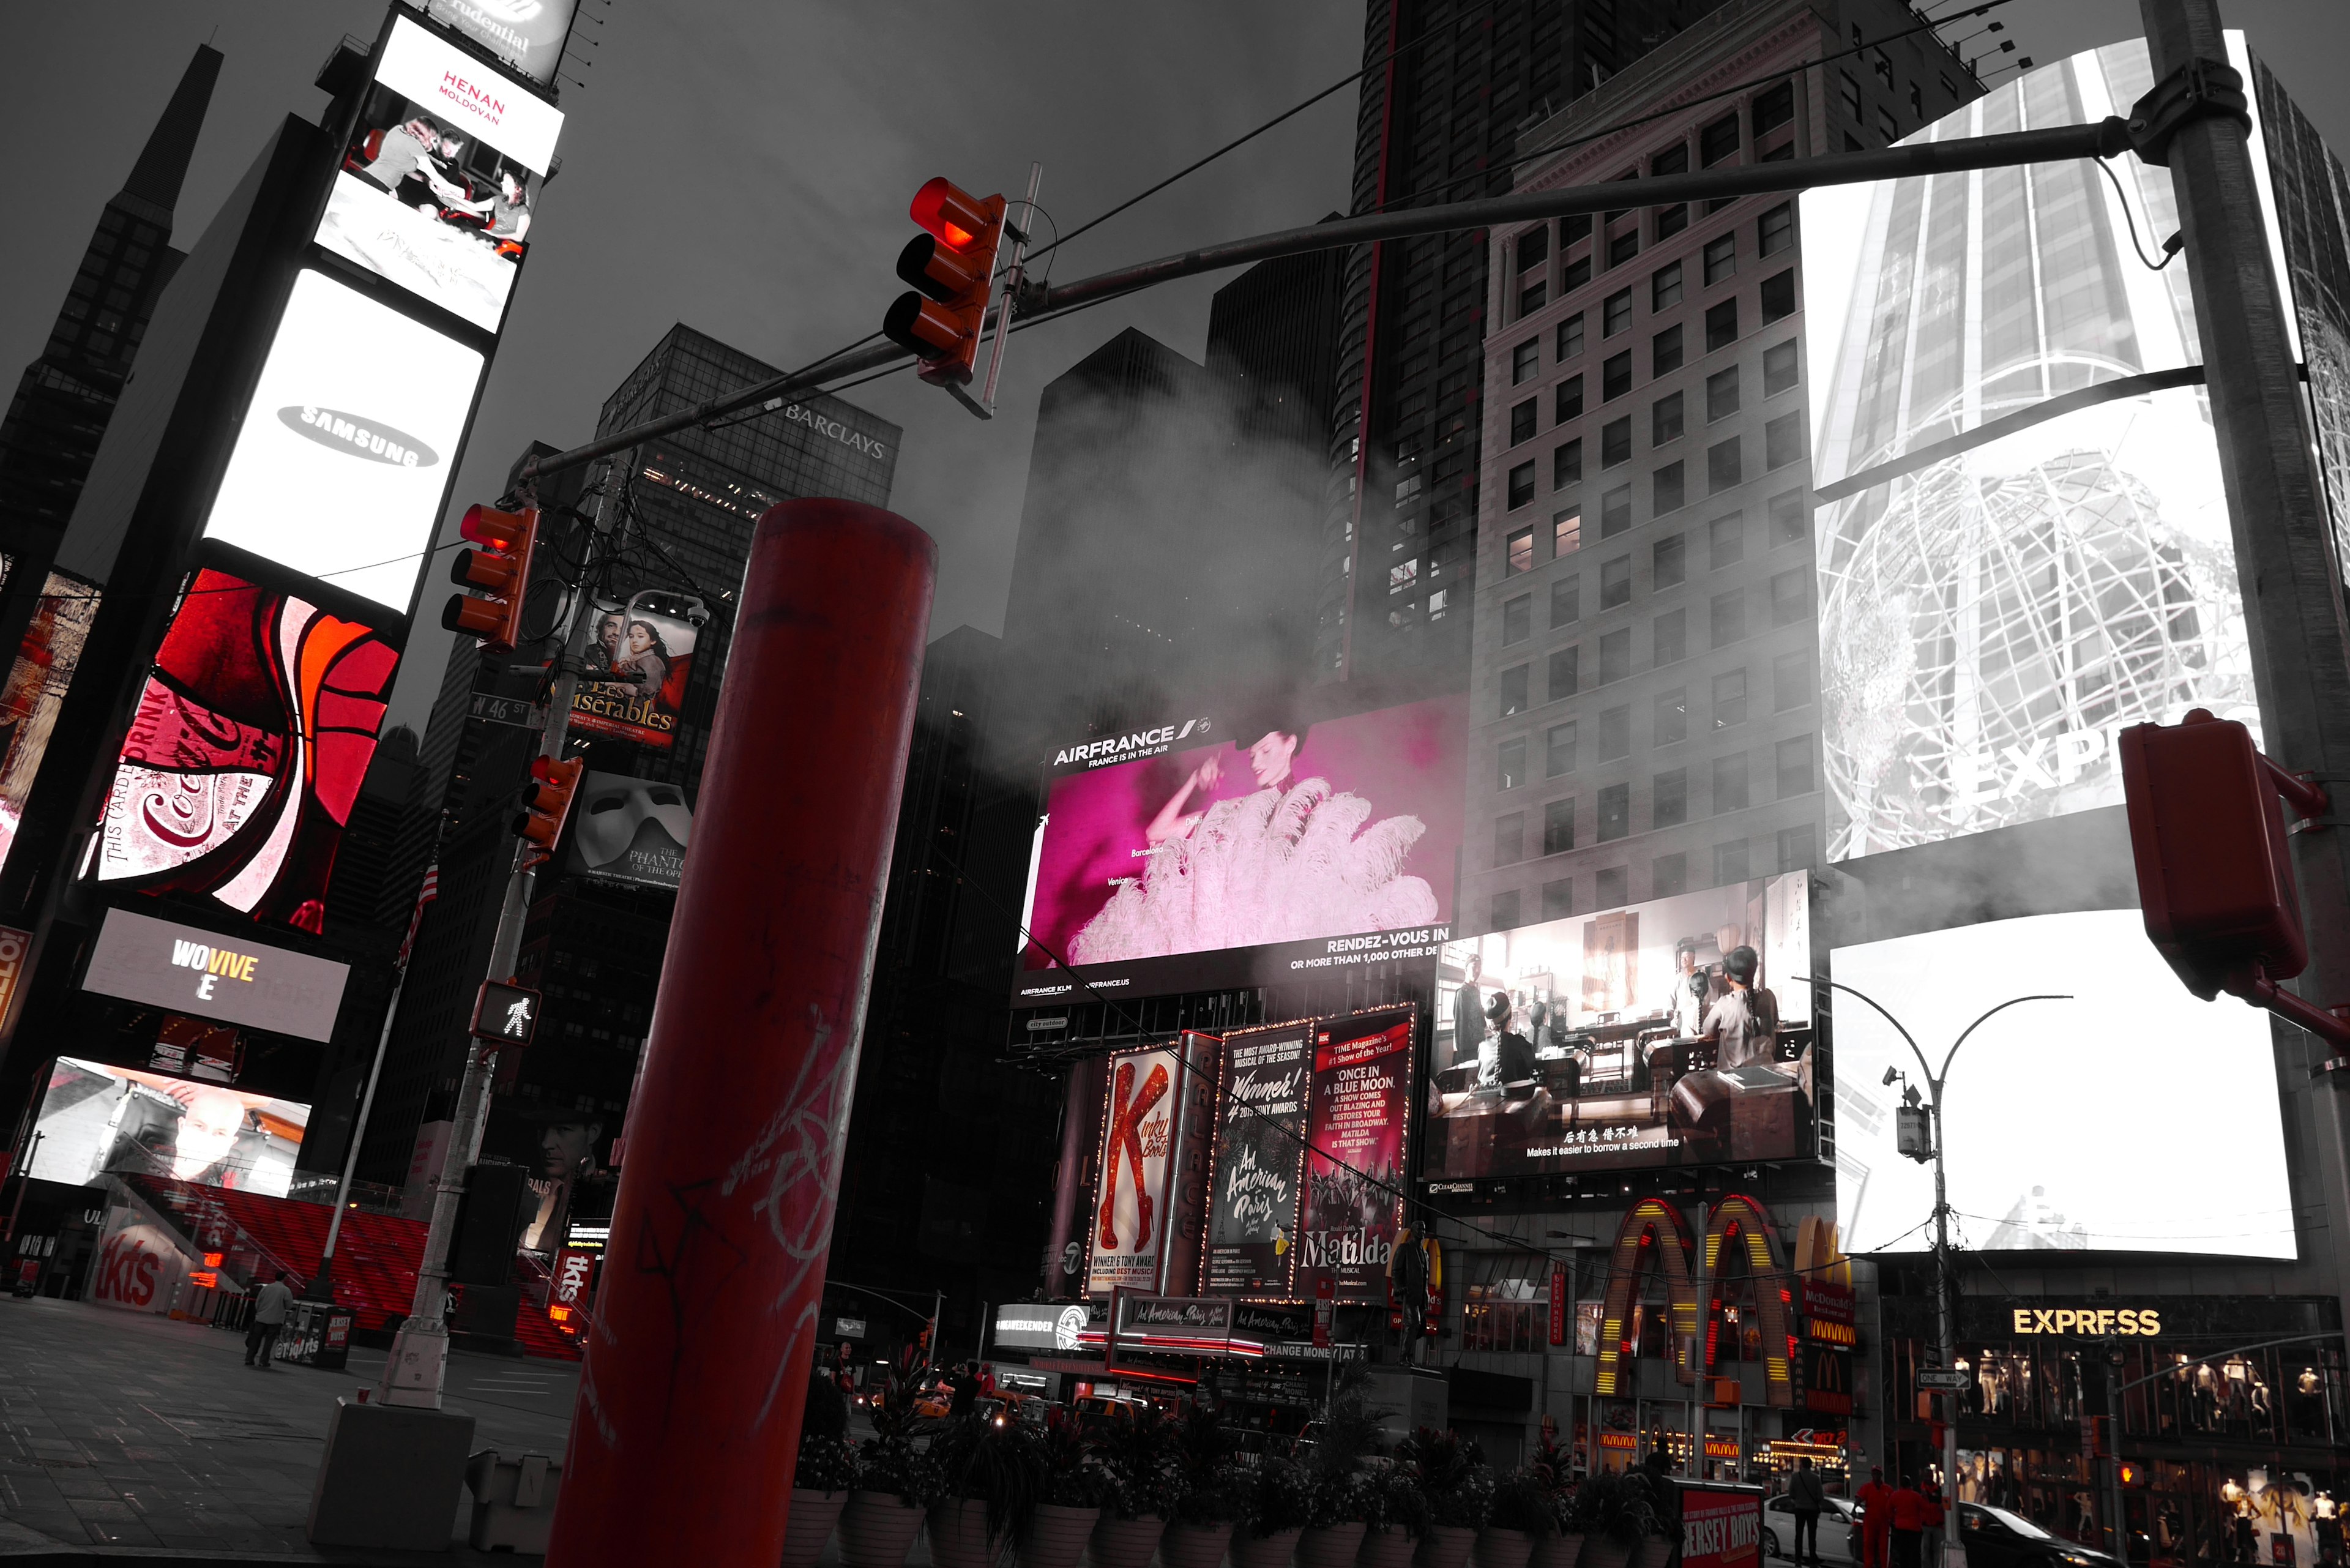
column 348, row 432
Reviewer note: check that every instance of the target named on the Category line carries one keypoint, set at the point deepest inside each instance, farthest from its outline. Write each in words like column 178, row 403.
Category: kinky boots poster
column 1260, row 1162
column 1361, row 1107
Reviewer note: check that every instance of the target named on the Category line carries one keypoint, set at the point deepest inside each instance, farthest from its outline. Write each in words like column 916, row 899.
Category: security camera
column 1891, row 1075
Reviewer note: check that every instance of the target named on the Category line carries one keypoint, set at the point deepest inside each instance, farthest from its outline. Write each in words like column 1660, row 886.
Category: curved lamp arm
column 1924, row 1071
column 1979, row 1023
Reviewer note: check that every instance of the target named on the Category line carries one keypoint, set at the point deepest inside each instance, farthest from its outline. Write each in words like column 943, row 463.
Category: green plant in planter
column 1347, row 1436
column 1615, row 1505
column 1278, row 1496
column 1074, row 1478
column 825, row 1464
column 894, row 1465
column 1345, row 1499
column 1397, row 1502
column 994, row 1460
column 1453, row 1475
column 1523, row 1501
column 1139, row 1453
column 1205, row 1447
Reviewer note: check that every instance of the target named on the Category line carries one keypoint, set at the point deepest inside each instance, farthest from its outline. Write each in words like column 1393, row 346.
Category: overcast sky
column 744, row 167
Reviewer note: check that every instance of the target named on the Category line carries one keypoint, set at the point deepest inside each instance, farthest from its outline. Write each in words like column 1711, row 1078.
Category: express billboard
column 1195, row 855
column 1671, row 1033
column 97, row 1120
column 2024, row 544
column 442, row 173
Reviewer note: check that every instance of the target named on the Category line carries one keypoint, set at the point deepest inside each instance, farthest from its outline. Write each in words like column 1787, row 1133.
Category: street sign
column 1945, row 1379
column 513, row 710
column 505, row 1012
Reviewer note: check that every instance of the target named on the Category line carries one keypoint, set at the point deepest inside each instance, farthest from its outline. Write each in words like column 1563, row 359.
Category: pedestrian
column 1876, row 1501
column 1930, row 1543
column 966, row 1388
column 1908, row 1528
column 1805, row 1498
column 269, row 1306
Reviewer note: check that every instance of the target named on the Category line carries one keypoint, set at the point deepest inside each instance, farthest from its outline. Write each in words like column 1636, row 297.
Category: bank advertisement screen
column 97, row 1120
column 441, row 174
column 2127, row 1116
column 1627, row 1039
column 1197, row 854
column 2024, row 546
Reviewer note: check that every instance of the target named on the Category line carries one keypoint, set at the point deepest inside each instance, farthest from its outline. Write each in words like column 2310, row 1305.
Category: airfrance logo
column 1127, row 748
column 350, row 433
column 216, row 964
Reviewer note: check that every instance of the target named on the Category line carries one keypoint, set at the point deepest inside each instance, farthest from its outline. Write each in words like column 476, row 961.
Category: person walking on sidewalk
column 1807, row 1497
column 268, row 1318
column 1875, row 1520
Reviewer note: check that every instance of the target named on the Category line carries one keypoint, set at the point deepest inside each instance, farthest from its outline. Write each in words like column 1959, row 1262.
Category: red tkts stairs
column 376, row 1256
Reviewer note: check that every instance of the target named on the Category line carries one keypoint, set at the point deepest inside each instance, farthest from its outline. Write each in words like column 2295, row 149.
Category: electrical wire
column 2170, row 247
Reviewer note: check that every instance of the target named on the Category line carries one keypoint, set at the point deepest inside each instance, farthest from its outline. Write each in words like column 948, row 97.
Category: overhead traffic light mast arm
column 2107, row 139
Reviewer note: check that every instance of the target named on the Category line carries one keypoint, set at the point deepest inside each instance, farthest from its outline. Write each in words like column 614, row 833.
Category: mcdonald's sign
column 1827, row 1379
column 1656, row 1239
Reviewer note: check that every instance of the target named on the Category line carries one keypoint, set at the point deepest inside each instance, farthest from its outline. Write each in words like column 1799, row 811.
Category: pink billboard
column 1266, row 849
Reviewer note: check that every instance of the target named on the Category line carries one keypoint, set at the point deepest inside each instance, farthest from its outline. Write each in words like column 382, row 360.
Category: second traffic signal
column 952, row 269
column 547, row 800
column 498, row 575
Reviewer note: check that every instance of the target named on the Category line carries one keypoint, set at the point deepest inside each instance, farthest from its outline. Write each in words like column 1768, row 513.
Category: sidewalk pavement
column 122, row 1431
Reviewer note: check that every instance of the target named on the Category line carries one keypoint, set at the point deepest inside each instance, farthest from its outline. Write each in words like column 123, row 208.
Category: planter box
column 1331, row 1545
column 1498, row 1548
column 1601, row 1552
column 1057, row 1537
column 1389, row 1548
column 1273, row 1550
column 958, row 1536
column 1194, row 1545
column 1444, row 1546
column 876, row 1530
column 1126, row 1543
column 814, row 1513
column 1556, row 1552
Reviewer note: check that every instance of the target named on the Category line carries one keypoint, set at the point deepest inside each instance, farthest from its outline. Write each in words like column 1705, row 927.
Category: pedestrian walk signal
column 505, row 1012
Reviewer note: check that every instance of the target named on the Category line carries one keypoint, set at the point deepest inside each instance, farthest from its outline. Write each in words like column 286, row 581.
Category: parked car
column 1839, row 1530
column 1997, row 1539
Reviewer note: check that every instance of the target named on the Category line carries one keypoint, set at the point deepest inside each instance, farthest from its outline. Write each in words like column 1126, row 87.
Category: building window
column 1791, row 597
column 1671, row 718
column 1608, row 890
column 1534, row 246
column 1614, row 812
column 1623, row 247
column 1504, row 909
column 1794, row 758
column 1792, row 684
column 1521, row 422
column 1782, row 440
column 1790, row 519
column 1798, row 849
column 1721, row 324
column 1615, row 582
column 1726, row 539
column 1669, row 799
column 1665, row 351
column 1565, row 598
column 1614, row 655
column 1570, row 337
column 1779, row 368
column 1672, row 636
column 1509, row 837
column 1729, row 699
column 1778, row 296
column 1665, row 287
column 1670, row 489
column 1669, row 877
column 1513, row 689
column 1404, row 575
column 1558, row 903
column 1848, row 92
column 1720, row 258
column 1525, row 361
column 1729, row 783
column 1615, row 511
column 1564, row 664
column 1519, row 556
column 1615, row 376
column 1728, row 863
column 1567, row 403
column 1615, row 313
column 1718, row 140
column 1509, row 758
column 1577, row 274
column 1673, row 159
column 1729, row 616
column 1558, row 827
column 1721, row 467
column 1558, row 750
column 1671, row 564
column 1672, row 220
column 1522, row 491
column 1721, row 394
column 1614, row 734
column 1886, row 126
column 1566, row 536
column 1615, row 443
column 1774, row 231
column 1774, row 107
column 1665, row 420
column 1518, row 620
column 1567, row 463
column 1533, row 297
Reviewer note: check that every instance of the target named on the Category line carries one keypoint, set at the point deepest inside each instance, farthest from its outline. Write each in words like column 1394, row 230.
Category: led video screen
column 443, row 169
column 253, row 732
column 2024, row 546
column 1194, row 856
column 527, row 33
column 97, row 1120
column 2058, row 1135
column 348, row 443
column 39, row 681
column 1678, row 1032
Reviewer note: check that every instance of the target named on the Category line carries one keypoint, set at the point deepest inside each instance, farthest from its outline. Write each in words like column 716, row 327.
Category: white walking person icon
column 518, row 1018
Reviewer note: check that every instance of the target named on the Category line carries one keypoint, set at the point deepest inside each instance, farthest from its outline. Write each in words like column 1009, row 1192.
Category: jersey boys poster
column 1354, row 1167
column 1260, row 1161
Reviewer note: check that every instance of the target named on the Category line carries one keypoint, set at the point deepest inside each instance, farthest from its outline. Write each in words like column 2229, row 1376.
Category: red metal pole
column 688, row 1421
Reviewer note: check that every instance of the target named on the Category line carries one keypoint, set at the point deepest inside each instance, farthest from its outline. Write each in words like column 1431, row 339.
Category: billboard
column 1618, row 1040
column 1259, row 1169
column 346, row 447
column 1190, row 856
column 35, row 690
column 650, row 654
column 1355, row 1167
column 443, row 170
column 2056, row 1141
column 253, row 732
column 2022, row 543
column 1133, row 1204
column 96, row 1120
column 528, row 35
column 229, row 980
column 626, row 829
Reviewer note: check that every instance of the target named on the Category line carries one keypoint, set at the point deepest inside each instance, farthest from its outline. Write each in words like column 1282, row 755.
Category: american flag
column 424, row 895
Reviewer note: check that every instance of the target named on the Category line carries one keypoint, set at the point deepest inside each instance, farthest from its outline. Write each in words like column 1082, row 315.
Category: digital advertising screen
column 527, row 34
column 1132, row 1205
column 626, row 829
column 649, row 654
column 1359, row 1130
column 1627, row 1039
column 2024, row 546
column 229, row 980
column 1259, row 1169
column 346, row 447
column 2059, row 1136
column 97, row 1120
column 442, row 171
column 38, row 679
column 1192, row 856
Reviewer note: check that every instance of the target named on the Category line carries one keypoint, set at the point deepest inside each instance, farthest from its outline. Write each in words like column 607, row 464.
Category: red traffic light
column 956, row 216
column 547, row 800
column 499, row 573
column 952, row 270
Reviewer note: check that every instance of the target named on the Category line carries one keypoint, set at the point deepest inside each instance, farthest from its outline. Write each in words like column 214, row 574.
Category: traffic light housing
column 952, row 267
column 547, row 800
column 496, row 576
